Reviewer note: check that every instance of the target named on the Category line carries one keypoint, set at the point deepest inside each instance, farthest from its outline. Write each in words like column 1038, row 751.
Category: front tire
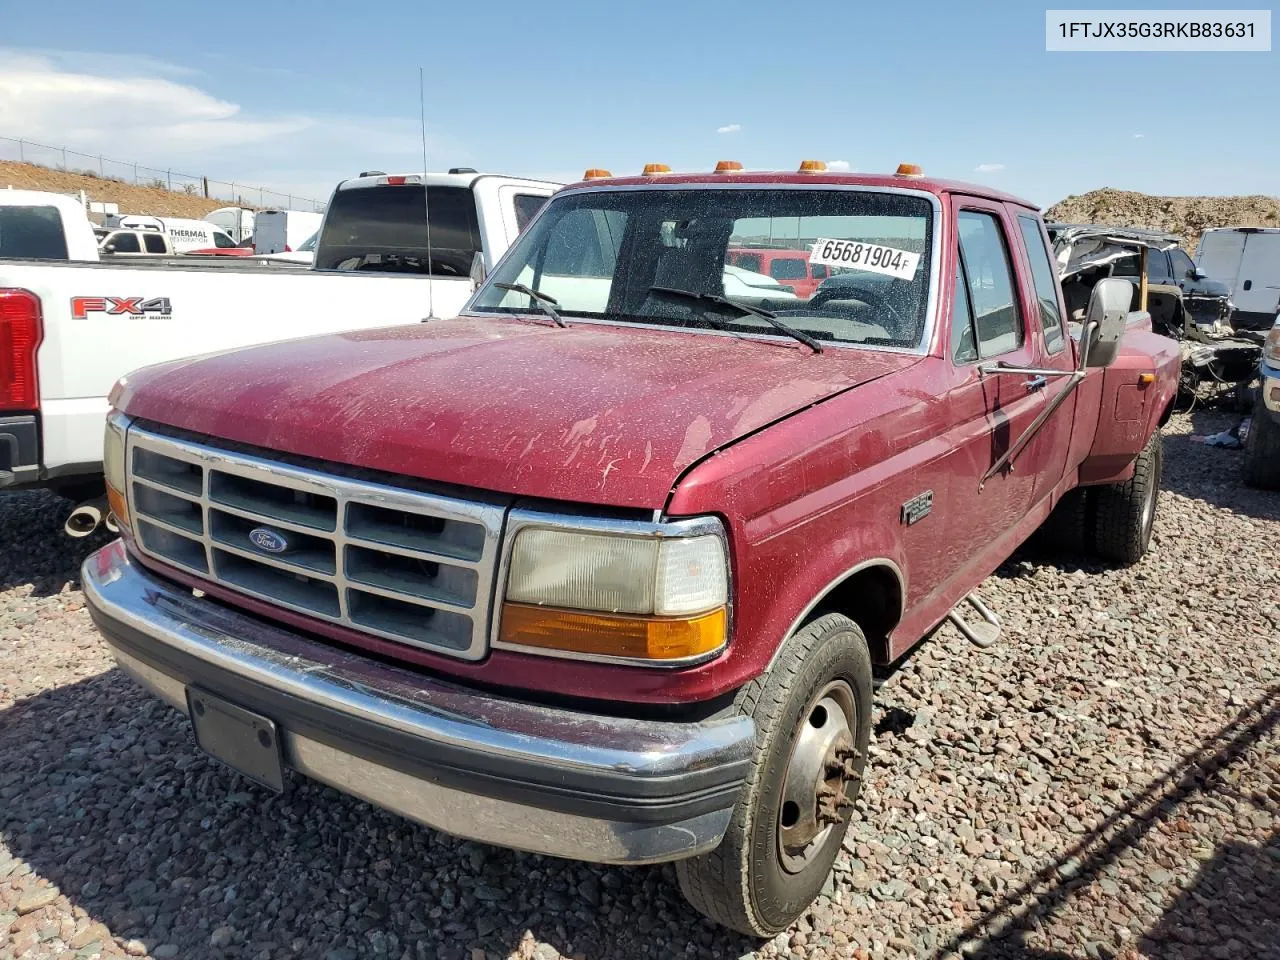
column 1124, row 513
column 1261, row 468
column 813, row 721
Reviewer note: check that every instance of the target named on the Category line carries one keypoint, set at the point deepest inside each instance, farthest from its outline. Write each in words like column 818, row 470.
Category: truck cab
column 601, row 568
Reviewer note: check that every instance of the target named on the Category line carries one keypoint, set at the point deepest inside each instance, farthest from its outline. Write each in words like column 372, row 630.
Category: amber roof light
column 655, row 169
column 728, row 166
column 596, row 173
column 909, row 170
column 812, row 166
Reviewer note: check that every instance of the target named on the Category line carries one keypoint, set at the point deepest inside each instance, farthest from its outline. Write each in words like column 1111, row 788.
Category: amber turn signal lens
column 116, row 501
column 612, row 635
column 653, row 169
column 812, row 166
column 1146, row 379
column 596, row 173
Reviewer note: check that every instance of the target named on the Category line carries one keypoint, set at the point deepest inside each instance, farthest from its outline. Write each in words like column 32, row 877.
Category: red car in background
column 789, row 267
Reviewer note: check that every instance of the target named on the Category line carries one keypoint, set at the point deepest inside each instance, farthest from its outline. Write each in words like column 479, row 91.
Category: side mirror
column 1195, row 273
column 478, row 271
column 109, row 248
column 1109, row 315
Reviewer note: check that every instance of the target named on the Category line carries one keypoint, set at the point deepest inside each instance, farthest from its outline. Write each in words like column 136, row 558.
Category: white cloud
column 1138, row 136
column 140, row 112
column 988, row 168
column 839, row 166
column 730, row 128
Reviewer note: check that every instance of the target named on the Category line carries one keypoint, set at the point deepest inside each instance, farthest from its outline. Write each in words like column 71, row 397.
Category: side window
column 747, row 261
column 1046, row 284
column 990, row 279
column 1158, row 266
column 788, row 268
column 584, row 244
column 126, row 243
column 221, row 239
column 153, row 243
column 964, row 347
column 526, row 205
column 1182, row 265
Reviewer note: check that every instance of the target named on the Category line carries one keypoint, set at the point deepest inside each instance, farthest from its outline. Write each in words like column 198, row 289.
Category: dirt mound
column 1188, row 217
column 151, row 201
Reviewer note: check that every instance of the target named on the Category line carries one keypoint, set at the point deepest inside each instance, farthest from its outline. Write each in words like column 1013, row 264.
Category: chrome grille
column 401, row 564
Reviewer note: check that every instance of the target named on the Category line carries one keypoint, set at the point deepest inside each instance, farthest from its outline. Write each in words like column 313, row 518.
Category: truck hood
column 591, row 413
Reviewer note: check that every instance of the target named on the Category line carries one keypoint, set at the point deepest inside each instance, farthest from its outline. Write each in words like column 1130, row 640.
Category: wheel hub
column 822, row 769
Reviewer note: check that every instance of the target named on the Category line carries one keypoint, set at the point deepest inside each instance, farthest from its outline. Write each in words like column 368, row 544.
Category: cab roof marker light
column 909, row 170
column 655, row 169
column 728, row 166
column 596, row 173
column 812, row 166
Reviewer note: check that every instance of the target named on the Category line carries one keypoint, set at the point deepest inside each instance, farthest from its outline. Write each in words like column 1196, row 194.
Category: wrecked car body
column 1183, row 301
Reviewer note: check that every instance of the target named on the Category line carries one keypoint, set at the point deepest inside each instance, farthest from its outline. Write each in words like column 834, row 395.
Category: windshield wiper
column 545, row 303
column 766, row 315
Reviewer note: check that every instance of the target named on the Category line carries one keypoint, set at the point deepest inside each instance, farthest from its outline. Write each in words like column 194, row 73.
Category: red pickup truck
column 601, row 568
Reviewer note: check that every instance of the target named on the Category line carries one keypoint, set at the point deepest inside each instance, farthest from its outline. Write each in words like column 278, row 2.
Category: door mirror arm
column 1075, row 376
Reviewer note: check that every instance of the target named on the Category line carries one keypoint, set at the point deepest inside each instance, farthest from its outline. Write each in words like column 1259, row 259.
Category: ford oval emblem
column 268, row 540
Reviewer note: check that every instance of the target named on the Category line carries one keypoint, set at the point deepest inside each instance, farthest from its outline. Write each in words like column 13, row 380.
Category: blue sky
column 297, row 96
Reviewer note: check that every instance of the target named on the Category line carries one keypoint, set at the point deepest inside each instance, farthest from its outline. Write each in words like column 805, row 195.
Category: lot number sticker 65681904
column 861, row 255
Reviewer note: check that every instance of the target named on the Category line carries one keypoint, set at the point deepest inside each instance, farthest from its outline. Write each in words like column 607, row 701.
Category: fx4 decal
column 81, row 307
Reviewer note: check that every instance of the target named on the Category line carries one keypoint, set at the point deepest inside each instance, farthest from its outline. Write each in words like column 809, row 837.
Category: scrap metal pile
column 1193, row 309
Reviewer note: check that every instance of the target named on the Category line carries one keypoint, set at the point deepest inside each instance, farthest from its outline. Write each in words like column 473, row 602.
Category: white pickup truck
column 71, row 324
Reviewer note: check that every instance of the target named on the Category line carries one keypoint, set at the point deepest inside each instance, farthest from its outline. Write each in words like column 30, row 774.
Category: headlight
column 113, row 465
column 1272, row 349
column 660, row 594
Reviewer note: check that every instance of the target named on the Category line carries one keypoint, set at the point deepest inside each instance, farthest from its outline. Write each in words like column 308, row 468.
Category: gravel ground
column 1105, row 783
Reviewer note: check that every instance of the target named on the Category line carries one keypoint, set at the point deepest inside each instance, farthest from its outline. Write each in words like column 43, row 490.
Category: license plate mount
column 247, row 742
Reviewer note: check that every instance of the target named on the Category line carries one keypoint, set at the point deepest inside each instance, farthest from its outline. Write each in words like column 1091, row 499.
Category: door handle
column 1035, row 383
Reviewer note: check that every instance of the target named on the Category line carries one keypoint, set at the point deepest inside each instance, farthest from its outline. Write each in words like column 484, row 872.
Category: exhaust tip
column 84, row 520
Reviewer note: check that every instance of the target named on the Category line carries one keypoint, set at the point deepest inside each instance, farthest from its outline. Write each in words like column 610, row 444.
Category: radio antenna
column 426, row 199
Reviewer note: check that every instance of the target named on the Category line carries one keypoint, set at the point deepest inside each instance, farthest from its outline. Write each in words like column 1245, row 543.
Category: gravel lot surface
column 1105, row 783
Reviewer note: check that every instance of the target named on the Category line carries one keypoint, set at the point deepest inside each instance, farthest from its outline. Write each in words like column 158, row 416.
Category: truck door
column 1046, row 456
column 983, row 413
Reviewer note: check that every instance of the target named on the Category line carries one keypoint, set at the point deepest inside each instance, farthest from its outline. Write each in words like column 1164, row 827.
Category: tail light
column 20, row 334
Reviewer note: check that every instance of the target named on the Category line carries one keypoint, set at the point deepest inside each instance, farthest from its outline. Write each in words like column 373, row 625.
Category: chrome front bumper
column 544, row 779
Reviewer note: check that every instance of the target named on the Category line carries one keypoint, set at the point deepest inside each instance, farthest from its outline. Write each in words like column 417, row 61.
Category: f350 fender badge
column 917, row 508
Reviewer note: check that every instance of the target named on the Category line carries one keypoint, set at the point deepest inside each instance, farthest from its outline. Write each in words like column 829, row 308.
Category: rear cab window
column 32, row 232
column 384, row 228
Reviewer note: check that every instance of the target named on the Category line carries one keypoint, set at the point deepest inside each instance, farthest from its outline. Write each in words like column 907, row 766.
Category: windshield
column 601, row 253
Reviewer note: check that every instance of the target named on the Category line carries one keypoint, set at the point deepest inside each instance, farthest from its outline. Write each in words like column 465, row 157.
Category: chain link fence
column 126, row 171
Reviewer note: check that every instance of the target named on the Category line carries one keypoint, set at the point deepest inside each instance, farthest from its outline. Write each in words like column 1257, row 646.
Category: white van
column 283, row 231
column 1247, row 260
column 236, row 221
column 184, row 234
